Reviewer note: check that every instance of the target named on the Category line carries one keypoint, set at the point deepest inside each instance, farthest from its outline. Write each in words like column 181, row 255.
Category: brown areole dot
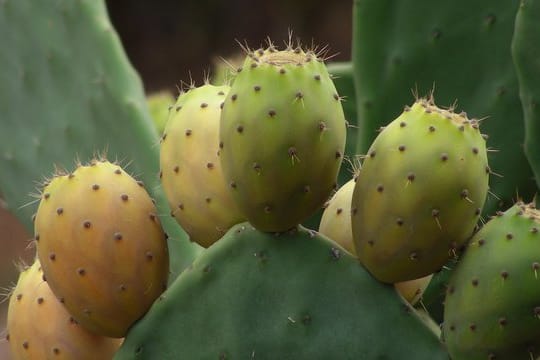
column 339, row 211
column 271, row 113
column 234, row 97
column 431, row 128
column 240, row 129
column 401, row 148
column 40, row 300
column 444, row 156
column 81, row 271
column 399, row 221
column 124, row 197
column 118, row 172
column 60, row 211
column 25, row 344
column 87, row 224
column 380, row 188
column 402, row 124
column 474, row 282
column 317, row 77
column 209, row 166
column 117, row 236
column 56, row 351
column 46, row 196
column 204, row 105
column 188, row 132
column 52, row 256
column 504, row 274
column 509, row 236
column 149, row 256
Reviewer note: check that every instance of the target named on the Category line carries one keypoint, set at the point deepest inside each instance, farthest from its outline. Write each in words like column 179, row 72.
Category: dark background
column 167, row 40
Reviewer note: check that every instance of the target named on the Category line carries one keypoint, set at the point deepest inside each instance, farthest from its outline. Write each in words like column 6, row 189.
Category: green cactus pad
column 461, row 49
column 295, row 295
column 526, row 52
column 492, row 307
column 67, row 91
column 420, row 192
column 282, row 136
column 191, row 174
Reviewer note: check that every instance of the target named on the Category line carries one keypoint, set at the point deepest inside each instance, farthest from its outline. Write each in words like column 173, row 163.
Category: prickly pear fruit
column 282, row 137
column 492, row 306
column 422, row 187
column 101, row 246
column 39, row 327
column 191, row 174
column 336, row 225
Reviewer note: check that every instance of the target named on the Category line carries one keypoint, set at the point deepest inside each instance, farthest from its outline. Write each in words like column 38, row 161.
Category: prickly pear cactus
column 101, row 246
column 336, row 225
column 298, row 296
column 420, row 193
column 67, row 89
column 39, row 327
column 526, row 54
column 199, row 198
column 405, row 46
column 282, row 137
column 492, row 305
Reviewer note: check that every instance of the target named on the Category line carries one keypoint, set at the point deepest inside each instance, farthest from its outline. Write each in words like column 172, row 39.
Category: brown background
column 169, row 42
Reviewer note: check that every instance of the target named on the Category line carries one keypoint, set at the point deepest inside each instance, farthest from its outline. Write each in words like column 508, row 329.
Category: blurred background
column 170, row 42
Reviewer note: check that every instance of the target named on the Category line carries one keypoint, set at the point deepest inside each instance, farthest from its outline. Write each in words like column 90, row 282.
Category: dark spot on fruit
column 371, row 242
column 19, row 297
column 117, row 236
column 535, row 265
column 413, row 256
column 81, row 271
column 474, row 282
column 435, row 212
column 46, row 196
column 411, row 177
column 56, row 351
column 472, row 327
column 372, row 153
column 399, row 221
column 336, row 97
column 149, row 256
column 234, row 97
column 299, row 95
column 354, row 211
column 52, row 256
column 509, row 236
column 464, row 193
column 401, row 148
column 534, row 230
column 124, row 197
column 188, row 132
column 492, row 356
column 307, row 189
column 208, row 200
column 25, row 345
column 240, row 129
column 232, row 184
column 292, row 151
column 475, row 150
column 339, row 211
column 431, row 128
column 322, row 126
column 140, row 183
column 152, row 217
column 60, row 211
column 452, row 327
column 209, row 166
column 504, row 274
column 40, row 300
column 118, row 172
column 271, row 113
column 338, row 154
column 268, row 209
column 503, row 321
column 380, row 188
column 87, row 224
column 481, row 242
column 402, row 124
column 204, row 105
column 257, row 167
column 477, row 211
column 444, row 156
column 317, row 77
column 282, row 71
column 36, row 237
column 461, row 128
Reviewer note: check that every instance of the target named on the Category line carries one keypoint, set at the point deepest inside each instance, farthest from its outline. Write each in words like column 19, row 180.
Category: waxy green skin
column 282, row 137
column 492, row 306
column 296, row 295
column 422, row 187
column 191, row 174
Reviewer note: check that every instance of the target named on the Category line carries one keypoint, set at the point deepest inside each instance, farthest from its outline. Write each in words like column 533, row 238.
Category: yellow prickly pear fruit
column 39, row 327
column 101, row 246
column 191, row 174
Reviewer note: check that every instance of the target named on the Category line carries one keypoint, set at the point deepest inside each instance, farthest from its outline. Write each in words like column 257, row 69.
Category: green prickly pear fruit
column 191, row 173
column 159, row 105
column 39, row 327
column 283, row 137
column 492, row 305
column 101, row 246
column 423, row 184
column 336, row 225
